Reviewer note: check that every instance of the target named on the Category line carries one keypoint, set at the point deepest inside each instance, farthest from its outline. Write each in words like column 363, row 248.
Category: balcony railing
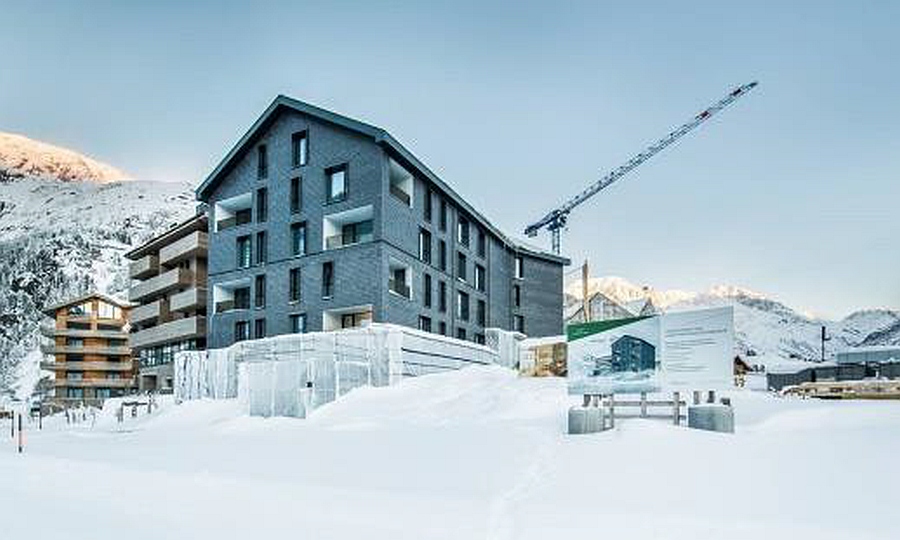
column 190, row 299
column 147, row 312
column 241, row 217
column 50, row 330
column 396, row 191
column 193, row 244
column 125, row 365
column 177, row 277
column 177, row 330
column 228, row 305
column 341, row 240
column 399, row 287
column 144, row 267
column 100, row 350
column 127, row 382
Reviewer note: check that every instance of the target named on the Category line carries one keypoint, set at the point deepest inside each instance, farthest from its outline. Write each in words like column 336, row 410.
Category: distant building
column 89, row 352
column 856, row 364
column 604, row 308
column 168, row 283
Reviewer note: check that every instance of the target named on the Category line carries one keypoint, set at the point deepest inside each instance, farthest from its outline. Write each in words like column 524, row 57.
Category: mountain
column 65, row 223
column 764, row 327
column 21, row 157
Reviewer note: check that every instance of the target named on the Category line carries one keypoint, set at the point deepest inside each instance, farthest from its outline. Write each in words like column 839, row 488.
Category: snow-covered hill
column 21, row 157
column 764, row 327
column 61, row 236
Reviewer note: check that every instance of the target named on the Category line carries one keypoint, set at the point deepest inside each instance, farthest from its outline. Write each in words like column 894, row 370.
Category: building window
column 442, row 296
column 243, row 252
column 108, row 311
column 242, row 298
column 298, row 323
column 442, row 255
column 425, row 323
column 241, row 331
column 299, row 149
column 478, row 338
column 294, row 285
column 260, row 291
column 482, row 244
column 517, row 296
column 398, row 282
column 259, row 328
column 425, row 246
column 262, row 248
column 442, row 328
column 462, row 305
column 519, row 323
column 443, row 215
column 460, row 333
column 262, row 162
column 427, row 209
column 298, row 238
column 460, row 266
column 262, row 205
column 75, row 393
column 520, row 270
column 426, row 293
column 296, row 194
column 327, row 279
column 462, row 231
column 336, row 190
column 481, row 313
column 480, row 278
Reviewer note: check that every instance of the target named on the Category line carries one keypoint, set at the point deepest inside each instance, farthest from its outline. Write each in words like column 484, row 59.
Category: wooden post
column 643, row 404
column 696, row 397
column 20, row 433
column 676, row 408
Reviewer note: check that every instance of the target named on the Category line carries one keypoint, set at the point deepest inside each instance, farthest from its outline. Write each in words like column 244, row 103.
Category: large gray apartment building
column 321, row 222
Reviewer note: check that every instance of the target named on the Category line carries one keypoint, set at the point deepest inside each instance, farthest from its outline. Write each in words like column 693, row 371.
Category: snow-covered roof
column 51, row 309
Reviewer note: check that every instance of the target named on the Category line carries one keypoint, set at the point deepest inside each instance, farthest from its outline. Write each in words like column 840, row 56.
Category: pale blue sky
column 794, row 191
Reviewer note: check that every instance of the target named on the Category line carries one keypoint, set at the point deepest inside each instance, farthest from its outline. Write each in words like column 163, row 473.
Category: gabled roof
column 381, row 137
column 51, row 309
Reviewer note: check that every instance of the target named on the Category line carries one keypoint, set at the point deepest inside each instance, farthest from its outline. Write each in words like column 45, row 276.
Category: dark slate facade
column 379, row 275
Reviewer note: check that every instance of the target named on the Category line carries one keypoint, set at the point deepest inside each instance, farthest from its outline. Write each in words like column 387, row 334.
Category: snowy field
column 475, row 454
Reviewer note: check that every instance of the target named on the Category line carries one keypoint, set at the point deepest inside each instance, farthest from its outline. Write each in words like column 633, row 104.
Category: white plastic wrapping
column 291, row 375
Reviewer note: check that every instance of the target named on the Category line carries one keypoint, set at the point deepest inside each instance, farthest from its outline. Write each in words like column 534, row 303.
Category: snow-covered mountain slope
column 763, row 327
column 60, row 237
column 21, row 157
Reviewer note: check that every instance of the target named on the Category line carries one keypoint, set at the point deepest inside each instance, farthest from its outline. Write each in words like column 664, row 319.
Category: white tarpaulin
column 291, row 375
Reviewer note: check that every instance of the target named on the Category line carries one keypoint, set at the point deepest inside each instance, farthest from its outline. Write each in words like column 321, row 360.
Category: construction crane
column 556, row 219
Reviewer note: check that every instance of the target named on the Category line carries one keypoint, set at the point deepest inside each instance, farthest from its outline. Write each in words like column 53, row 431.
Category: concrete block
column 584, row 420
column 711, row 417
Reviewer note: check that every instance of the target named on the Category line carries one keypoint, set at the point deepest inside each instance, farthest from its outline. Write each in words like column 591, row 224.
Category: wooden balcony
column 125, row 365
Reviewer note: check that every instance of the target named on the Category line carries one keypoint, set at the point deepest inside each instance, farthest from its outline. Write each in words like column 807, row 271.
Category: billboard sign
column 672, row 351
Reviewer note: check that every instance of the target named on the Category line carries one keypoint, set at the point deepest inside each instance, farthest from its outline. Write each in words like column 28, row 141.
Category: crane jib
column 556, row 219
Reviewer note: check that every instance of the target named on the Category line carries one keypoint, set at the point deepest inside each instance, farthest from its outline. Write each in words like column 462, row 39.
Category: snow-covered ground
column 477, row 453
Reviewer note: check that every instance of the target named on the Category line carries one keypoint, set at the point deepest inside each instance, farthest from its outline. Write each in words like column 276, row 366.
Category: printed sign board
column 672, row 351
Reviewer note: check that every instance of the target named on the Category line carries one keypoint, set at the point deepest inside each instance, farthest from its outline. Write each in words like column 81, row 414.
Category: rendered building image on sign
column 687, row 349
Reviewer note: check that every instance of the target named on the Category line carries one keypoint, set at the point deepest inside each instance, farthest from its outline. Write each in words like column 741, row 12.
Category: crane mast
column 556, row 219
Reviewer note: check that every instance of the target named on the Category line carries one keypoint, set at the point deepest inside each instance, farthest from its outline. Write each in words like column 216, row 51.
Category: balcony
column 177, row 330
column 98, row 350
column 148, row 312
column 125, row 365
column 192, row 245
column 234, row 211
column 189, row 300
column 94, row 383
column 401, row 183
column 50, row 330
column 144, row 267
column 348, row 228
column 399, row 287
column 173, row 279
